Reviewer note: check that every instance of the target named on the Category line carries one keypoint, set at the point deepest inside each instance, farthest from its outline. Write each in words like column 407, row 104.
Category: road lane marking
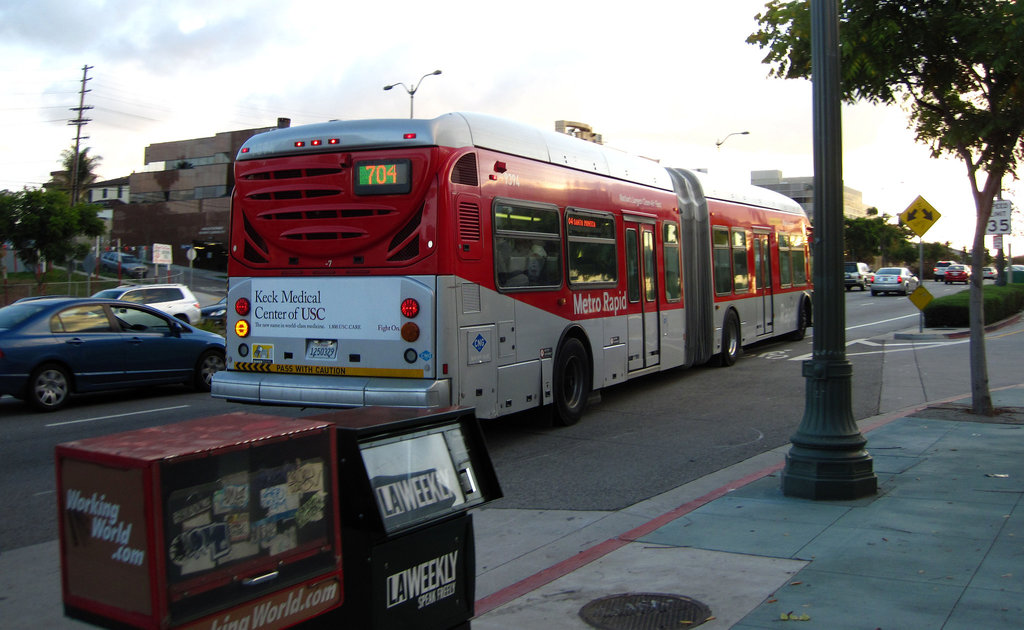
column 884, row 321
column 117, row 415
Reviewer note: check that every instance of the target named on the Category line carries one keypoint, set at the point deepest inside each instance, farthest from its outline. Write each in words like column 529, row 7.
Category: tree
column 87, row 165
column 868, row 237
column 43, row 225
column 956, row 66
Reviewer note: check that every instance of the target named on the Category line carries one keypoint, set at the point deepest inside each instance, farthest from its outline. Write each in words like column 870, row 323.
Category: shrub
column 953, row 311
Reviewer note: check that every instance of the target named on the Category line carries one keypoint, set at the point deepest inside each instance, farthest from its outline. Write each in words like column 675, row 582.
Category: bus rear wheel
column 730, row 341
column 572, row 382
column 803, row 320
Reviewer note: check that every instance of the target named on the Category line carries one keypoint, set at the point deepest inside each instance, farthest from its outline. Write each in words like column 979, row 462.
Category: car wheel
column 49, row 387
column 210, row 362
column 572, row 382
column 183, row 317
column 874, row 293
column 730, row 341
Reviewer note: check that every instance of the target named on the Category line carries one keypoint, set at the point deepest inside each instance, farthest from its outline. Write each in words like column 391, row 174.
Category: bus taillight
column 410, row 332
column 242, row 306
column 410, row 308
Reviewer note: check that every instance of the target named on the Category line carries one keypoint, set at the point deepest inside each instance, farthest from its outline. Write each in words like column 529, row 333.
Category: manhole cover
column 644, row 611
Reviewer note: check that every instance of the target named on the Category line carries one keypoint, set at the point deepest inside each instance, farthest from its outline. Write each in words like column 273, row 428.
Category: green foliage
column 87, row 165
column 43, row 225
column 957, row 66
column 868, row 237
column 952, row 311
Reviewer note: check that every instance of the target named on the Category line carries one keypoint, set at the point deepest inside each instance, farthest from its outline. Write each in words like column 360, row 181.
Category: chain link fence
column 12, row 292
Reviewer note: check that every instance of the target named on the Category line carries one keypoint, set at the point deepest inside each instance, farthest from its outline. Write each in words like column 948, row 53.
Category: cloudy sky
column 665, row 79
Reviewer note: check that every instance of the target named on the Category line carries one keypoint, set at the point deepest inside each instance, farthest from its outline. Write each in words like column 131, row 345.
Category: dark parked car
column 129, row 265
column 957, row 273
column 52, row 348
column 857, row 274
column 216, row 312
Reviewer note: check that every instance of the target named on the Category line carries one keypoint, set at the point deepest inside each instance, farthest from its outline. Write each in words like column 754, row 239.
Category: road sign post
column 920, row 216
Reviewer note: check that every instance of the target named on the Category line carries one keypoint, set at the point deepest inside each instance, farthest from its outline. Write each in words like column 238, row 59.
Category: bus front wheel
column 572, row 382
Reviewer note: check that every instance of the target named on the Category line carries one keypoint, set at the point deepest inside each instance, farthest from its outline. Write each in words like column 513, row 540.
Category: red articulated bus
column 471, row 260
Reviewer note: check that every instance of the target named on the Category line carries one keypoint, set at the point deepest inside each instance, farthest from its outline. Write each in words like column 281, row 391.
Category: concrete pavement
column 941, row 545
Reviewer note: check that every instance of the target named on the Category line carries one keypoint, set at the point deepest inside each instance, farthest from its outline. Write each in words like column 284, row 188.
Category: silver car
column 894, row 280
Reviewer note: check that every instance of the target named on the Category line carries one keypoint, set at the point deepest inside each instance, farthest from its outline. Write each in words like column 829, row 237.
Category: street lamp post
column 412, row 90
column 718, row 145
column 827, row 460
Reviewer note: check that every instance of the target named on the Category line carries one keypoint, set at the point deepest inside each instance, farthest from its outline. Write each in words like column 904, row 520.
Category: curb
column 957, row 333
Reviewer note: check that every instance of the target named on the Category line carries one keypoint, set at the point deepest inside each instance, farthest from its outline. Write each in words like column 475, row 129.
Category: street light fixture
column 412, row 91
column 718, row 145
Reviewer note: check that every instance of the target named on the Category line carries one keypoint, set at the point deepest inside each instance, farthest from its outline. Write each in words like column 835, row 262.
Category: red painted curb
column 585, row 557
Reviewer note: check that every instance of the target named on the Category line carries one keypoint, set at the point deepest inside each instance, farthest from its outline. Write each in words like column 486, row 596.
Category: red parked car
column 957, row 273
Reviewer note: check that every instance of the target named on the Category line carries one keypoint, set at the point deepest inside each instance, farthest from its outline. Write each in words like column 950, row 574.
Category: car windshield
column 955, row 268
column 851, row 266
column 109, row 294
column 11, row 316
column 889, row 271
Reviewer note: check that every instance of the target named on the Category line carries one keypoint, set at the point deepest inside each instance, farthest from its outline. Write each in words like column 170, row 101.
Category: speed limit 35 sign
column 999, row 220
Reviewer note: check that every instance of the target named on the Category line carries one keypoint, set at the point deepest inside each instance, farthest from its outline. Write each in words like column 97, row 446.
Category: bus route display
column 383, row 177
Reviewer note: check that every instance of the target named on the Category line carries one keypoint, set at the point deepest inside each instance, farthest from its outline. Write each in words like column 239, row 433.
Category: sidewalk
column 941, row 545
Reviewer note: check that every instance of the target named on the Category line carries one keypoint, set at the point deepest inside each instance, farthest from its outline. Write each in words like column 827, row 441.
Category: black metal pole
column 827, row 459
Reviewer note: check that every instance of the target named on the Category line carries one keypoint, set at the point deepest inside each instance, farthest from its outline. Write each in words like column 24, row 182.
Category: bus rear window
column 383, row 177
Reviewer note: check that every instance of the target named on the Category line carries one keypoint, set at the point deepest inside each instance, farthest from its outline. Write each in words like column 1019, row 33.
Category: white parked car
column 173, row 299
column 894, row 280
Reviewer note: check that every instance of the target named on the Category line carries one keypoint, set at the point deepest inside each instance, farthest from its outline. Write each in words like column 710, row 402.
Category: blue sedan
column 51, row 348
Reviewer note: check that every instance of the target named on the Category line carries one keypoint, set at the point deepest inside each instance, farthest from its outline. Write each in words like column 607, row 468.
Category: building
column 109, row 193
column 801, row 190
column 183, row 197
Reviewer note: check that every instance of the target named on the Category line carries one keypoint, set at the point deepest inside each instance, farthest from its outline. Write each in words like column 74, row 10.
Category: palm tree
column 87, row 165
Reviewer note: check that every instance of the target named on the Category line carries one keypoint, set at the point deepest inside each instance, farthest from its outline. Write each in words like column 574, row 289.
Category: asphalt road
column 641, row 439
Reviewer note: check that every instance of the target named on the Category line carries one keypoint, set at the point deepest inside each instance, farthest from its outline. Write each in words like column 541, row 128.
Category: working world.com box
column 228, row 521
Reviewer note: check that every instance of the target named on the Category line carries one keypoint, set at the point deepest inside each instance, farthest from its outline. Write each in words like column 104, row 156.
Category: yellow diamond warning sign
column 921, row 297
column 920, row 215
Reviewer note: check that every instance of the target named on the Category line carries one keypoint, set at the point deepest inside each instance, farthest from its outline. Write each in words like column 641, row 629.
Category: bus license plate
column 321, row 349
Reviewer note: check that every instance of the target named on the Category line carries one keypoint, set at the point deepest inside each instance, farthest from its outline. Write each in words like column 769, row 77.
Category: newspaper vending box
column 408, row 479
column 222, row 522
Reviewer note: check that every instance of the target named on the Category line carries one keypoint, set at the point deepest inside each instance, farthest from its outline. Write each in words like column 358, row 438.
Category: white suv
column 173, row 299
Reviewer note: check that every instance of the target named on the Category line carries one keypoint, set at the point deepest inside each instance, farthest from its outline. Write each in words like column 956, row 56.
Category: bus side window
column 740, row 270
column 527, row 250
column 722, row 257
column 670, row 244
column 785, row 262
column 798, row 246
column 592, row 248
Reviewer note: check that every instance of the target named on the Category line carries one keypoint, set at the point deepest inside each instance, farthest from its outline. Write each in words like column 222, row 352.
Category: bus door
column 644, row 335
column 763, row 278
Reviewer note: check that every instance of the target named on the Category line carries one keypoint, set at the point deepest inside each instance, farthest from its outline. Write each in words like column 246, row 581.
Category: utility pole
column 79, row 122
